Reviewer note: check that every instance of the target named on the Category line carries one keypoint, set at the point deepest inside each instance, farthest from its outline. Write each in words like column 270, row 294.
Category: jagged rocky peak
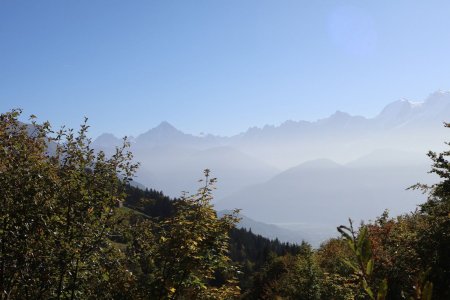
column 397, row 109
column 164, row 129
column 164, row 125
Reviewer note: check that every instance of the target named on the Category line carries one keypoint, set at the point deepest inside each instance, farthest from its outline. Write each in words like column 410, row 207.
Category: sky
column 217, row 66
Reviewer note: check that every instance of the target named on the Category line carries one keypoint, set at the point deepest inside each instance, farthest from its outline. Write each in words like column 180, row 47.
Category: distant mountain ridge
column 402, row 125
column 435, row 109
column 301, row 171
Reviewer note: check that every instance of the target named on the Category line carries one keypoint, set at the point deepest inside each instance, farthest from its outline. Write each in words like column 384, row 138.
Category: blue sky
column 217, row 66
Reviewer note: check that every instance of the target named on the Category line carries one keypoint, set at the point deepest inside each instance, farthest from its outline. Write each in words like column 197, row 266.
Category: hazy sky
column 217, row 66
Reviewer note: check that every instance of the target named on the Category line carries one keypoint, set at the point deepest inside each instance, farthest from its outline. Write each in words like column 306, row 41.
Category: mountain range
column 319, row 172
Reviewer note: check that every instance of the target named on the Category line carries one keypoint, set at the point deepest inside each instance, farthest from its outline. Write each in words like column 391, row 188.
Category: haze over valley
column 277, row 174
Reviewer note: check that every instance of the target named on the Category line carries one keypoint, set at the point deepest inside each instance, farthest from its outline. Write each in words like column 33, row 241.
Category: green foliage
column 304, row 280
column 249, row 252
column 57, row 210
column 363, row 264
column 179, row 257
column 434, row 238
column 338, row 279
column 252, row 252
column 288, row 277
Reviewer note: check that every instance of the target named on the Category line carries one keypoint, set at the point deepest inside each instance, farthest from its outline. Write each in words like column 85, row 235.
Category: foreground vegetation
column 71, row 227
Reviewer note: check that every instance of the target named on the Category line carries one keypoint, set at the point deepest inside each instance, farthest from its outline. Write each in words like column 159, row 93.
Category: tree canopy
column 71, row 227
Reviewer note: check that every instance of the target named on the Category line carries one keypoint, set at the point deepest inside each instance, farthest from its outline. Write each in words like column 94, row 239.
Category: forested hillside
column 71, row 227
column 248, row 251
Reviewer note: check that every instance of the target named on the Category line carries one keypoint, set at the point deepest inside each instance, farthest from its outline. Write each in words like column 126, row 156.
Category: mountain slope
column 271, row 231
column 323, row 192
column 175, row 169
